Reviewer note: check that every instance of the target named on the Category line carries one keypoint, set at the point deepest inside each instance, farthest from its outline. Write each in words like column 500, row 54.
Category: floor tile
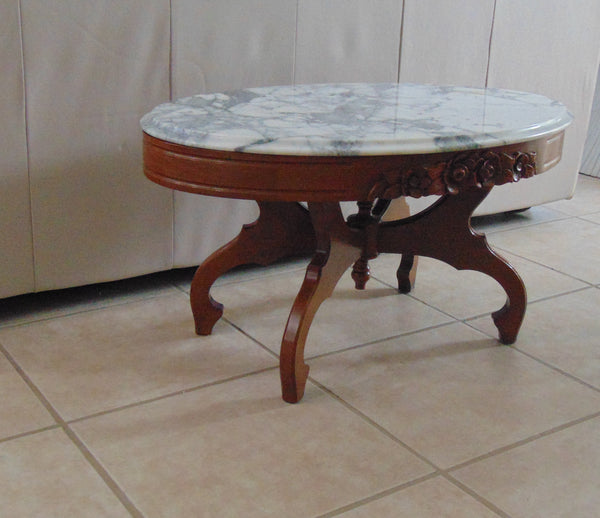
column 51, row 304
column 452, row 394
column 510, row 220
column 434, row 498
column 20, row 410
column 594, row 218
column 44, row 475
column 564, row 332
column 468, row 293
column 570, row 246
column 245, row 273
column 350, row 317
column 237, row 449
column 585, row 201
column 552, row 477
column 98, row 360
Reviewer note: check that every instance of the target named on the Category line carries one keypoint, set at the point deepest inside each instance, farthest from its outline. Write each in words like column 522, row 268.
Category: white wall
column 77, row 76
column 549, row 47
column 16, row 253
column 91, row 69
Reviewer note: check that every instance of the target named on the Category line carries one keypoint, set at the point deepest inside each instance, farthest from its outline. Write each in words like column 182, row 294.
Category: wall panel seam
column 400, row 39
column 170, row 50
column 170, row 76
column 294, row 57
column 27, row 151
column 489, row 56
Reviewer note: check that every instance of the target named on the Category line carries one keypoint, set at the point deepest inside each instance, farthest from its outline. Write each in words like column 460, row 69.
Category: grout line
column 437, row 470
column 413, row 297
column 476, row 496
column 169, row 395
column 445, row 473
column 557, row 369
column 582, row 217
column 263, row 273
column 250, row 337
column 375, row 425
column 87, row 309
column 517, row 226
column 30, row 432
column 454, row 318
column 181, row 289
column 541, row 361
column 79, row 444
column 278, row 269
column 518, row 444
column 533, row 261
column 377, row 496
column 468, row 323
column 381, row 340
column 103, row 473
column 469, row 319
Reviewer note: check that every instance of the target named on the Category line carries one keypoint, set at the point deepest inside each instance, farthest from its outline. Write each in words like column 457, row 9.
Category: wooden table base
column 442, row 232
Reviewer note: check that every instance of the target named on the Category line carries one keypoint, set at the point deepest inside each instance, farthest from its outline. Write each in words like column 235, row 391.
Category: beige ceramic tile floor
column 113, row 407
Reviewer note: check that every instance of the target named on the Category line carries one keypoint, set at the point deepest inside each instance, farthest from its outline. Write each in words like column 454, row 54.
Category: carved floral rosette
column 467, row 170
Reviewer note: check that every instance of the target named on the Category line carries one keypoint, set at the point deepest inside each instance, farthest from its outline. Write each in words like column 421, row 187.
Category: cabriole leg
column 282, row 229
column 337, row 249
column 443, row 232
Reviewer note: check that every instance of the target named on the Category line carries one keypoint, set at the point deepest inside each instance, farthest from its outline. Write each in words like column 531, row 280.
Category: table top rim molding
column 356, row 119
column 344, row 178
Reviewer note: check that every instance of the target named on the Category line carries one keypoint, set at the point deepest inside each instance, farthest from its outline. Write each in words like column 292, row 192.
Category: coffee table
column 369, row 143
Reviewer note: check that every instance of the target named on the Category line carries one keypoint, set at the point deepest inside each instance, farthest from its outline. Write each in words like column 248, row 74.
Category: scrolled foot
column 210, row 313
column 508, row 323
column 292, row 387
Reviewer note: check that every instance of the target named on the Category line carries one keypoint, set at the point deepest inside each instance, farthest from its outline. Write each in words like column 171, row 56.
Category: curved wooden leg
column 337, row 249
column 282, row 229
column 443, row 231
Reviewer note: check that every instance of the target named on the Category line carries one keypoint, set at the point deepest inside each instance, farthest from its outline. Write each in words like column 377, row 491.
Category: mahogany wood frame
column 278, row 182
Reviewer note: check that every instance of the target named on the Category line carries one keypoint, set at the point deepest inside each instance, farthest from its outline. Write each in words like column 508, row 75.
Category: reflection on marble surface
column 356, row 119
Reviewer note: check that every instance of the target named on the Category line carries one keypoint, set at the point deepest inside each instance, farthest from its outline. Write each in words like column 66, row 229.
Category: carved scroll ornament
column 468, row 170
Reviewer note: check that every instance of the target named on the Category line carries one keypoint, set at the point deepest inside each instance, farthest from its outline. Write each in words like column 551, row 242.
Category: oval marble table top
column 356, row 119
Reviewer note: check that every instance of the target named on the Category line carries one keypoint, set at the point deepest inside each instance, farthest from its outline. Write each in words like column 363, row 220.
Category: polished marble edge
column 356, row 119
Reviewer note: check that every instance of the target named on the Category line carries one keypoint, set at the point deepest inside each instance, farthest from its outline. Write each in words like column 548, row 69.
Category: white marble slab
column 356, row 119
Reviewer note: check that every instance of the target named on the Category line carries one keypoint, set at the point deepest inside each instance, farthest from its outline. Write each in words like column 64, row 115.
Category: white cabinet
column 16, row 254
column 551, row 48
column 446, row 42
column 221, row 46
column 91, row 69
column 228, row 44
column 590, row 164
column 348, row 40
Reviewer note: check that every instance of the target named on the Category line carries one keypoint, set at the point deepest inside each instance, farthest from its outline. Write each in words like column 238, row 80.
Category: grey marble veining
column 356, row 119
